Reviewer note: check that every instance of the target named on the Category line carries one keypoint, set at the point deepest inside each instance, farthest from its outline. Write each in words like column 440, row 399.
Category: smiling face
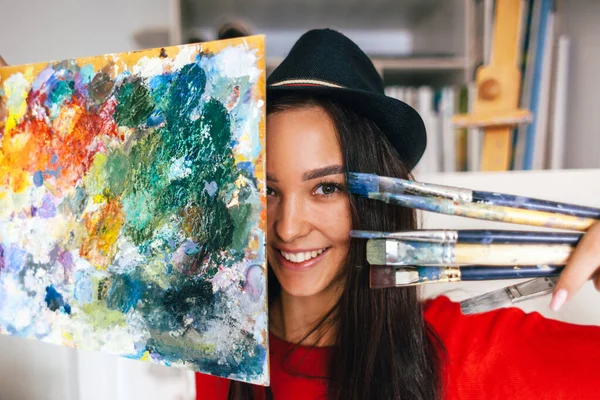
column 308, row 209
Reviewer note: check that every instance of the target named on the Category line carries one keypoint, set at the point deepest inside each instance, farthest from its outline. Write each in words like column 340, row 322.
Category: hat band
column 306, row 82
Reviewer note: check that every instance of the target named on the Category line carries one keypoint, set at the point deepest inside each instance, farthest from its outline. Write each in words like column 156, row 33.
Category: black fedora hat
column 325, row 62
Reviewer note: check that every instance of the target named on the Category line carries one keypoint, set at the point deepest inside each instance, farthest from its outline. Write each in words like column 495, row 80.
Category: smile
column 299, row 257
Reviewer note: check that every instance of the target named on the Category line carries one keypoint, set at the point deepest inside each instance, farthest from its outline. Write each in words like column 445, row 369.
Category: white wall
column 42, row 30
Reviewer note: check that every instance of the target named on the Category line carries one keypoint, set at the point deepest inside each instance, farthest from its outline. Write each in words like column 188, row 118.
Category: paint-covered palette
column 132, row 207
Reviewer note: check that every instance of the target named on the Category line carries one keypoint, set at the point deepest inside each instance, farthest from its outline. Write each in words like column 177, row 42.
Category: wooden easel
column 498, row 88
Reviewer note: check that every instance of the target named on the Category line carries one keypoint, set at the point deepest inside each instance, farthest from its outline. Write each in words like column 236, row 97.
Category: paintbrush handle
column 487, row 212
column 530, row 203
column 511, row 254
column 506, row 236
column 488, row 236
column 520, row 216
column 484, row 273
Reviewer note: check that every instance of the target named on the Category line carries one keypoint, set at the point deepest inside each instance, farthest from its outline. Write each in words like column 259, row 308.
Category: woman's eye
column 270, row 192
column 327, row 189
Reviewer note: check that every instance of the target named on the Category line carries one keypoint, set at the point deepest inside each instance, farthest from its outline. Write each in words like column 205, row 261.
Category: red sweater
column 503, row 354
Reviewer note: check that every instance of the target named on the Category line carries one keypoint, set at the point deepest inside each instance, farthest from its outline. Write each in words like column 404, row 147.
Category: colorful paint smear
column 132, row 207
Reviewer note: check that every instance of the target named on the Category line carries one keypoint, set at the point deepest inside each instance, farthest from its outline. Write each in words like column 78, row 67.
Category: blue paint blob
column 83, row 287
column 211, row 188
column 38, row 178
column 155, row 119
column 55, row 301
column 246, row 166
column 124, row 293
column 15, row 258
column 190, row 248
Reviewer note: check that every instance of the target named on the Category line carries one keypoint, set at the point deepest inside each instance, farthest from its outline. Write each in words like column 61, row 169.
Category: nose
column 291, row 219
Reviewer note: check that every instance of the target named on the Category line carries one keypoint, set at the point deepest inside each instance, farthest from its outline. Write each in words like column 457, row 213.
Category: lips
column 300, row 260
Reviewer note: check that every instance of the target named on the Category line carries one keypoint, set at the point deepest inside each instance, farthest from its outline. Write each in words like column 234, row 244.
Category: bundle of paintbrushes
column 425, row 256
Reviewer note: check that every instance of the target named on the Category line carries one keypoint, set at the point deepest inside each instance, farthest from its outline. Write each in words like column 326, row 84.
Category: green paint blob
column 62, row 91
column 117, row 170
column 134, row 103
column 241, row 216
column 102, row 317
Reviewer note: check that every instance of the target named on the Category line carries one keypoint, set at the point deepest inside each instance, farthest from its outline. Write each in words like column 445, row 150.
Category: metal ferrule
column 531, row 288
column 391, row 253
column 433, row 236
column 451, row 236
column 450, row 274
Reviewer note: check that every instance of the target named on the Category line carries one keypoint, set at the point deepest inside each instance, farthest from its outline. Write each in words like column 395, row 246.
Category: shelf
column 403, row 64
column 420, row 63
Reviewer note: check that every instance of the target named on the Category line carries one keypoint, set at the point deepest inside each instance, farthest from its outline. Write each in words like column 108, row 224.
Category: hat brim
column 401, row 124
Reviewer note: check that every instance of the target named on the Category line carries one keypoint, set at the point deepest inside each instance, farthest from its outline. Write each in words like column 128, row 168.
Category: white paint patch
column 237, row 62
column 179, row 169
column 16, row 88
column 148, row 67
column 185, row 56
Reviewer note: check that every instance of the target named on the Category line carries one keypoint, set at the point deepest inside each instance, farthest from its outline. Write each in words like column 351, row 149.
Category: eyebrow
column 315, row 173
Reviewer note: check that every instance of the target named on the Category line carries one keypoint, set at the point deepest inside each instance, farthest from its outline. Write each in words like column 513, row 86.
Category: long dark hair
column 383, row 347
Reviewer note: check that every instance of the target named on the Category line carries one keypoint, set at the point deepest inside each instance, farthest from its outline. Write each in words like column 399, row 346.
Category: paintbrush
column 392, row 276
column 487, row 236
column 487, row 212
column 508, row 296
column 398, row 252
column 365, row 184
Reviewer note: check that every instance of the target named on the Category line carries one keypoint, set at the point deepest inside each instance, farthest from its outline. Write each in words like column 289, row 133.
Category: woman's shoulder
column 452, row 326
column 508, row 351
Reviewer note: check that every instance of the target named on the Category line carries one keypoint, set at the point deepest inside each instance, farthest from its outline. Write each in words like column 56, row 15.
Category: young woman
column 331, row 336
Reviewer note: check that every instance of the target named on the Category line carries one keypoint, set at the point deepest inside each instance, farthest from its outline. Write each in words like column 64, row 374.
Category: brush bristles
column 362, row 184
column 376, row 254
column 382, row 277
column 486, row 302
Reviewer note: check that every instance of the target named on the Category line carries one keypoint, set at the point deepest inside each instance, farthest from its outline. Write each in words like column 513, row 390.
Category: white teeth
column 301, row 257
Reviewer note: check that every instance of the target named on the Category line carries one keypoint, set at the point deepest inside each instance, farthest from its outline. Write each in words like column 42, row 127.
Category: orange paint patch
column 103, row 229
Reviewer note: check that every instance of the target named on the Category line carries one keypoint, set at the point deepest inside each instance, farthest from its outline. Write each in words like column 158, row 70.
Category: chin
column 300, row 287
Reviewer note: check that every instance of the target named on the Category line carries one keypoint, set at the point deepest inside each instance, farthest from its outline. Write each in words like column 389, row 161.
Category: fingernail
column 558, row 299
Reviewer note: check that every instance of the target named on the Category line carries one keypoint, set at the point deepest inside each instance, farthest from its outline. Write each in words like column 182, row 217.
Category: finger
column 3, row 63
column 581, row 265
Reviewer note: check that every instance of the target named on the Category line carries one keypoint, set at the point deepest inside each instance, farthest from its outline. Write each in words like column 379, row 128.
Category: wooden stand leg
column 497, row 142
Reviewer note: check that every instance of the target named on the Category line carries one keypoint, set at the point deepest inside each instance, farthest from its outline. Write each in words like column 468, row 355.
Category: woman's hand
column 583, row 264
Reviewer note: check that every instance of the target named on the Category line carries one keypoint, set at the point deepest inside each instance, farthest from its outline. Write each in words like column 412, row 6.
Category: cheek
column 338, row 223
